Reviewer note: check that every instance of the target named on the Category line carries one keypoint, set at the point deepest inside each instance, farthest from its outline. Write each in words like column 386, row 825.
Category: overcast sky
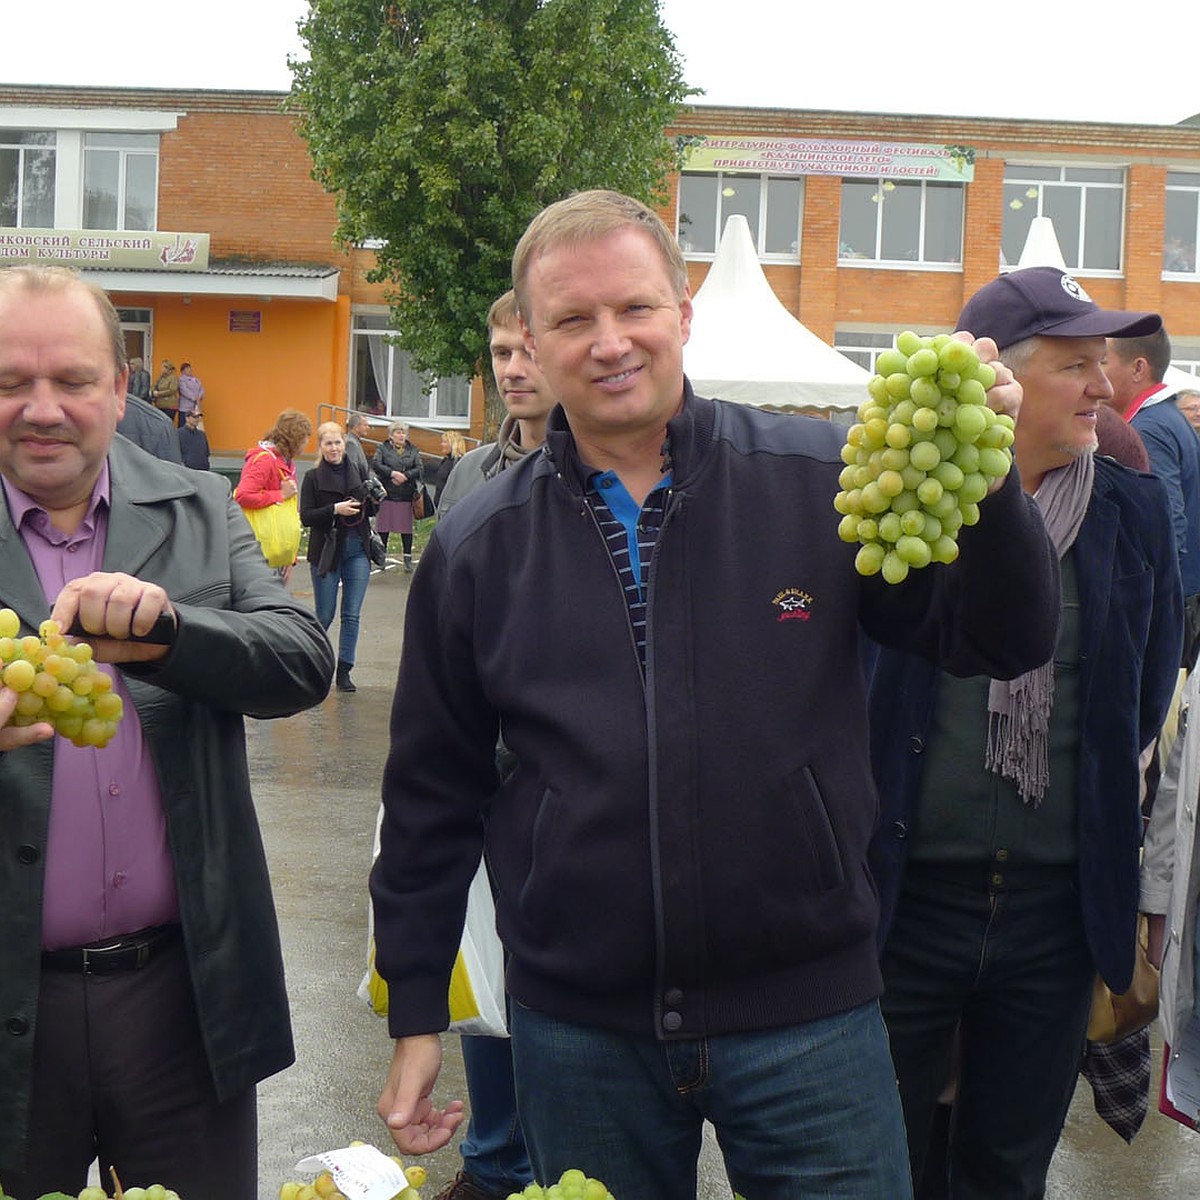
column 1033, row 59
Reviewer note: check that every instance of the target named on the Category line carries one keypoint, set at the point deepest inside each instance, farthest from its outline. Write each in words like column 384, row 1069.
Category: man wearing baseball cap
column 1007, row 857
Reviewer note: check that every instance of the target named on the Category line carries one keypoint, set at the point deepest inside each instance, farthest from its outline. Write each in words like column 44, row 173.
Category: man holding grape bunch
column 679, row 854
column 1007, row 852
column 141, row 981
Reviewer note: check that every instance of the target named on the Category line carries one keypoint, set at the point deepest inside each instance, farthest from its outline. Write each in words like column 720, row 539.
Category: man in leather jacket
column 141, row 980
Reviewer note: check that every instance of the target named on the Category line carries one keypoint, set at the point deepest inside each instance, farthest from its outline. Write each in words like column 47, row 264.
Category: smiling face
column 1064, row 384
column 61, row 394
column 607, row 328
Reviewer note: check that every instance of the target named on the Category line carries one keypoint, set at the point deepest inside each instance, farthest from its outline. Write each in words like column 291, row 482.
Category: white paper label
column 361, row 1172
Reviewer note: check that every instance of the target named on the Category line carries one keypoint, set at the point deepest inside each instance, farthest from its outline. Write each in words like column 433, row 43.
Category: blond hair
column 329, row 427
column 35, row 279
column 586, row 217
column 456, row 442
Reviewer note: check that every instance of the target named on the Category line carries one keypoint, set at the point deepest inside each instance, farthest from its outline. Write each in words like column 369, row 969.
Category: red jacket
column 262, row 477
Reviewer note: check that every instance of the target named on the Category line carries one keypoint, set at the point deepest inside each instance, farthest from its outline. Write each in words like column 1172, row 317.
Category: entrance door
column 137, row 325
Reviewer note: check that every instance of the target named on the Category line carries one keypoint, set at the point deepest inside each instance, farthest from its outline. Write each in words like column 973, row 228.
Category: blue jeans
column 1007, row 972
column 493, row 1151
column 801, row 1112
column 353, row 572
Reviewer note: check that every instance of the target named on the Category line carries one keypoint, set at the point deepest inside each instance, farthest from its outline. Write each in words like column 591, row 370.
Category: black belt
column 129, row 953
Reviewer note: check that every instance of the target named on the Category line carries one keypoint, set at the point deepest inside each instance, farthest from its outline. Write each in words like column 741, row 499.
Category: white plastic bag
column 477, row 1003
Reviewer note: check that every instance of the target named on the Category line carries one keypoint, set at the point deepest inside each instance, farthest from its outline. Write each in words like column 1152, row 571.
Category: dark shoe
column 461, row 1188
column 343, row 682
column 408, row 571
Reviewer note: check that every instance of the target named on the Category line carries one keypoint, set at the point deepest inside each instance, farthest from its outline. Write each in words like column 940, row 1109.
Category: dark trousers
column 120, row 1074
column 1008, row 969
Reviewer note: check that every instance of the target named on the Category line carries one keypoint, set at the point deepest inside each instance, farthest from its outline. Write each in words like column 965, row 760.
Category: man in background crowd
column 1006, row 853
column 356, row 428
column 495, row 1160
column 193, row 443
column 150, row 428
column 527, row 404
column 1189, row 404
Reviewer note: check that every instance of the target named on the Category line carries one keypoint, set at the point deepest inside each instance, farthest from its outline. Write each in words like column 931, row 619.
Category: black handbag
column 377, row 550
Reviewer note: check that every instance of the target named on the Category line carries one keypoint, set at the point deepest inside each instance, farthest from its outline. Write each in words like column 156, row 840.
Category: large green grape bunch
column 573, row 1185
column 57, row 682
column 922, row 455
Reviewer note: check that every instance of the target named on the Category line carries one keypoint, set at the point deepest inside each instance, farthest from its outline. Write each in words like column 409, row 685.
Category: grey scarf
column 508, row 446
column 1019, row 709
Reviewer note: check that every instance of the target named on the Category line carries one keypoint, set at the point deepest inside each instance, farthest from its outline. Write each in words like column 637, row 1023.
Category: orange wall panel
column 249, row 378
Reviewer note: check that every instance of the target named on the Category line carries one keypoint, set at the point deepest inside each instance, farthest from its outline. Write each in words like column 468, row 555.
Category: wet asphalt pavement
column 316, row 784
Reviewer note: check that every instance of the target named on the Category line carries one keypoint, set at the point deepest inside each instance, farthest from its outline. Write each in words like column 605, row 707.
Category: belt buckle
column 95, row 950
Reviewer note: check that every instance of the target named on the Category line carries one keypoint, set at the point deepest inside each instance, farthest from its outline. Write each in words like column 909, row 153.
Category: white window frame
column 863, row 346
column 124, row 154
column 1073, row 255
column 70, row 125
column 21, row 148
column 764, row 192
column 392, row 352
column 883, row 188
column 1191, row 188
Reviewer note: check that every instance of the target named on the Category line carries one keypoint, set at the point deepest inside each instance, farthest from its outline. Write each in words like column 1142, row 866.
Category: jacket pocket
column 809, row 837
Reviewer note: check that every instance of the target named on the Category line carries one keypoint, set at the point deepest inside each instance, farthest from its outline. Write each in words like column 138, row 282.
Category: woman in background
column 269, row 472
column 454, row 446
column 397, row 462
column 335, row 507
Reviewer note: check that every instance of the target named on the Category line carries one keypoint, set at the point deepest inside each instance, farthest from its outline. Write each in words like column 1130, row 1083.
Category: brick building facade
column 280, row 316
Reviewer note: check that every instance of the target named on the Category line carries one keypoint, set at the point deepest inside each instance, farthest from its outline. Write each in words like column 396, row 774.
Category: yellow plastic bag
column 277, row 528
column 477, row 1004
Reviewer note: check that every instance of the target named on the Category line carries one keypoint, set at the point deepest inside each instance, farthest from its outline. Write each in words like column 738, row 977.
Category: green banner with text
column 808, row 156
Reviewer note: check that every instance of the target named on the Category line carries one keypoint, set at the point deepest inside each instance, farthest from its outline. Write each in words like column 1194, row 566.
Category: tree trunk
column 493, row 406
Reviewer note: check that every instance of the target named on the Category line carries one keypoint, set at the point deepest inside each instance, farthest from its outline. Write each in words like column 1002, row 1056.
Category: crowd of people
column 869, row 964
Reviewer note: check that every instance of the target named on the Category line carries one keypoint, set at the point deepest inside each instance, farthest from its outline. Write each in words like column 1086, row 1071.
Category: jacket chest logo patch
column 793, row 605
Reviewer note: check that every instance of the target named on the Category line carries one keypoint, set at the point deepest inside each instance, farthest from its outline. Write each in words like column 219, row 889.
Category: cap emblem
column 1072, row 288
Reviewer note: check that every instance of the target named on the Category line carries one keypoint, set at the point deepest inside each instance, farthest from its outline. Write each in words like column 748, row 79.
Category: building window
column 120, row 180
column 1182, row 227
column 770, row 204
column 861, row 347
column 1086, row 204
column 27, row 178
column 901, row 221
column 383, row 383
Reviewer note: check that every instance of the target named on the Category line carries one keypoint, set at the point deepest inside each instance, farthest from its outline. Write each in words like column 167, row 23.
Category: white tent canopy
column 746, row 347
column 1041, row 246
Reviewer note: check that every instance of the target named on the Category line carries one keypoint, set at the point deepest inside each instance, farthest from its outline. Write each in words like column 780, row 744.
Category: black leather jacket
column 388, row 459
column 244, row 647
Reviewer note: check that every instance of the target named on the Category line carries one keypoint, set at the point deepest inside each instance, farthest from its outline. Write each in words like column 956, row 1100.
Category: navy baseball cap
column 1047, row 301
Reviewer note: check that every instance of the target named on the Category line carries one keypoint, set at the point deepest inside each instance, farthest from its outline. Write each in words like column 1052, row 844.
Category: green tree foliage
column 443, row 126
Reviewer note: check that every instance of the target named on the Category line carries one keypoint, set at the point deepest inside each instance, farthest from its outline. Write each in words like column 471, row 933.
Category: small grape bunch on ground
column 572, row 1185
column 57, row 682
column 324, row 1187
column 922, row 455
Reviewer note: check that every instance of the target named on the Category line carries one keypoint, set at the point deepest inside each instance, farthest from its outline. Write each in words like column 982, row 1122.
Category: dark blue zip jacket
column 1131, row 626
column 686, row 854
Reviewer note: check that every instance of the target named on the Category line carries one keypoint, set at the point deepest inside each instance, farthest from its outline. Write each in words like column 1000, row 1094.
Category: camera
column 373, row 489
